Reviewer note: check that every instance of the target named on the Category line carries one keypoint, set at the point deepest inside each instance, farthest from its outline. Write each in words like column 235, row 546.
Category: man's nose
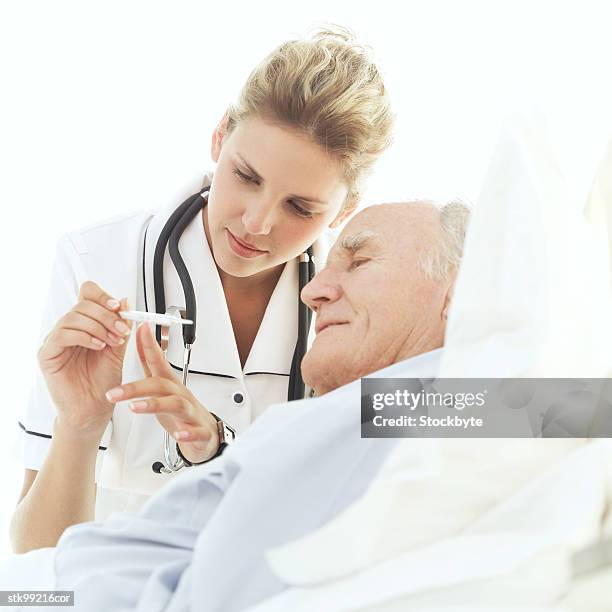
column 324, row 287
column 259, row 216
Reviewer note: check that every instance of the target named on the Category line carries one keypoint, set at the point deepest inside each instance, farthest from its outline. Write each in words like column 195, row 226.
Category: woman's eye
column 244, row 177
column 302, row 212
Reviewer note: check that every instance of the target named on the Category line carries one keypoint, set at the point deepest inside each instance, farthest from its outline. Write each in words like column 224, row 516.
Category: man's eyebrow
column 354, row 242
column 260, row 178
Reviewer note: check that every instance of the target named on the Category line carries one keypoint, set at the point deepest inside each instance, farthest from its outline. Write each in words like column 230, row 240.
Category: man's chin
column 322, row 369
column 313, row 368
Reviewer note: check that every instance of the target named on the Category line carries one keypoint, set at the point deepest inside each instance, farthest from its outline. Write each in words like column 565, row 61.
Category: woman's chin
column 235, row 268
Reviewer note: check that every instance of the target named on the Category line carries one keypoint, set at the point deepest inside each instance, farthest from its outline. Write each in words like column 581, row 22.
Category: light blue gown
column 199, row 543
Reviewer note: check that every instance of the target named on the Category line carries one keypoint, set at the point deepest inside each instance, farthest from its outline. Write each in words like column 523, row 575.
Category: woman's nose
column 259, row 217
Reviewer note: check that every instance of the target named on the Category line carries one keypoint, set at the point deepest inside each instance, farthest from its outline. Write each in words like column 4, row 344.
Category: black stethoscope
column 169, row 237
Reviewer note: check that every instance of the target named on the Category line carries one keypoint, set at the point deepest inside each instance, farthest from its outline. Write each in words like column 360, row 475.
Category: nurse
column 291, row 156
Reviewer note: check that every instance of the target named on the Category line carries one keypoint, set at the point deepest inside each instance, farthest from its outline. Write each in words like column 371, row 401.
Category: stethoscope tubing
column 158, row 258
column 189, row 332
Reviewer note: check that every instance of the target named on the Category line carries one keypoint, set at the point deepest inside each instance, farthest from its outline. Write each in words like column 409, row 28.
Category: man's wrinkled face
column 374, row 306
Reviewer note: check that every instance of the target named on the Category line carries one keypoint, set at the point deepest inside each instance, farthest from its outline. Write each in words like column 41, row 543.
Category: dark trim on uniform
column 271, row 373
column 180, row 369
column 42, row 435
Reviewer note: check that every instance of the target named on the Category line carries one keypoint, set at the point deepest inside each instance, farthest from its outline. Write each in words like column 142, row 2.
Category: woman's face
column 272, row 194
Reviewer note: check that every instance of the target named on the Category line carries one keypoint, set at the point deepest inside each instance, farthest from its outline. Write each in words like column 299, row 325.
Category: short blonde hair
column 329, row 89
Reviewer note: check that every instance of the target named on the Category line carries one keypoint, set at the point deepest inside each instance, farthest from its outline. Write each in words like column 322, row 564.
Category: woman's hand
column 177, row 409
column 82, row 356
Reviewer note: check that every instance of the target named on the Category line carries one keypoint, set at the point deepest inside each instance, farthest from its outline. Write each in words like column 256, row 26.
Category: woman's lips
column 240, row 248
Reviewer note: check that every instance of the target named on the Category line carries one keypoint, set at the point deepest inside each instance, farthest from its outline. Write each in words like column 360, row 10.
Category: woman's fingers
column 194, row 434
column 94, row 293
column 114, row 325
column 92, row 323
column 77, row 321
column 55, row 344
column 154, row 386
column 150, row 353
column 101, row 306
column 141, row 352
column 175, row 405
column 80, row 331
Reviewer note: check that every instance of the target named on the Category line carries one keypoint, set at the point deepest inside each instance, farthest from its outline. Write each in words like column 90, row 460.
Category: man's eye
column 357, row 262
column 245, row 178
column 299, row 210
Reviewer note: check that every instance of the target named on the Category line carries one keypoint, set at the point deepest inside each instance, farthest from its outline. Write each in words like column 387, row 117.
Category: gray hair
column 440, row 260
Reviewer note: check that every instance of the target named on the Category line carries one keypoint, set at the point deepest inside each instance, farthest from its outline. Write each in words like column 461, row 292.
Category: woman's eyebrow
column 249, row 167
column 260, row 178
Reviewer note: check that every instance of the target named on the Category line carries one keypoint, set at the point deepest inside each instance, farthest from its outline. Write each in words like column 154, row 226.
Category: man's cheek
column 328, row 344
column 385, row 311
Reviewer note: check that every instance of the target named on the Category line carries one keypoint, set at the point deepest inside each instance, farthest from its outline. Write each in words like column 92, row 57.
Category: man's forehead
column 365, row 227
column 388, row 227
column 382, row 218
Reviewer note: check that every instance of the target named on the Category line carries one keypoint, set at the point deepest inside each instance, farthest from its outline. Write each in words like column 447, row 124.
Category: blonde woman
column 291, row 156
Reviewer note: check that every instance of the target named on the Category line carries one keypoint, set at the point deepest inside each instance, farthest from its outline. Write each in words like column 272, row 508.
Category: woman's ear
column 219, row 133
column 346, row 212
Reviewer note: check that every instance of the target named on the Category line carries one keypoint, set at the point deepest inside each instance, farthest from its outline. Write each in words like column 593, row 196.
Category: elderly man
column 200, row 543
column 384, row 294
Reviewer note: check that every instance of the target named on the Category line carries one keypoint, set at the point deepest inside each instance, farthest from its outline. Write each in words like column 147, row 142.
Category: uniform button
column 238, row 398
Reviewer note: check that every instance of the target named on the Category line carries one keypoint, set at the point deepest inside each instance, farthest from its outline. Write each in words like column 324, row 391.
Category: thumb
column 150, row 353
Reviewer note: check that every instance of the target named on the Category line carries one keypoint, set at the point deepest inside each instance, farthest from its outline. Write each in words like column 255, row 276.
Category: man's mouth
column 323, row 325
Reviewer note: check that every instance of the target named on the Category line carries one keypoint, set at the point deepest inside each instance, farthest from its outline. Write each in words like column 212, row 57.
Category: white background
column 108, row 107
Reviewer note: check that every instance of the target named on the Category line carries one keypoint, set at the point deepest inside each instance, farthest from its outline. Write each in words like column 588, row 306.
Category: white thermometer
column 153, row 317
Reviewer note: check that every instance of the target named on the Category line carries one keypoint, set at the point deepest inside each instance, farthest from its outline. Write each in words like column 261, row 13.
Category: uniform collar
column 274, row 345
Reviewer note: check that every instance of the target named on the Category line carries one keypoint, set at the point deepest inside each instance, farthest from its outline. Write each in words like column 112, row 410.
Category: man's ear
column 218, row 135
column 343, row 215
column 448, row 298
